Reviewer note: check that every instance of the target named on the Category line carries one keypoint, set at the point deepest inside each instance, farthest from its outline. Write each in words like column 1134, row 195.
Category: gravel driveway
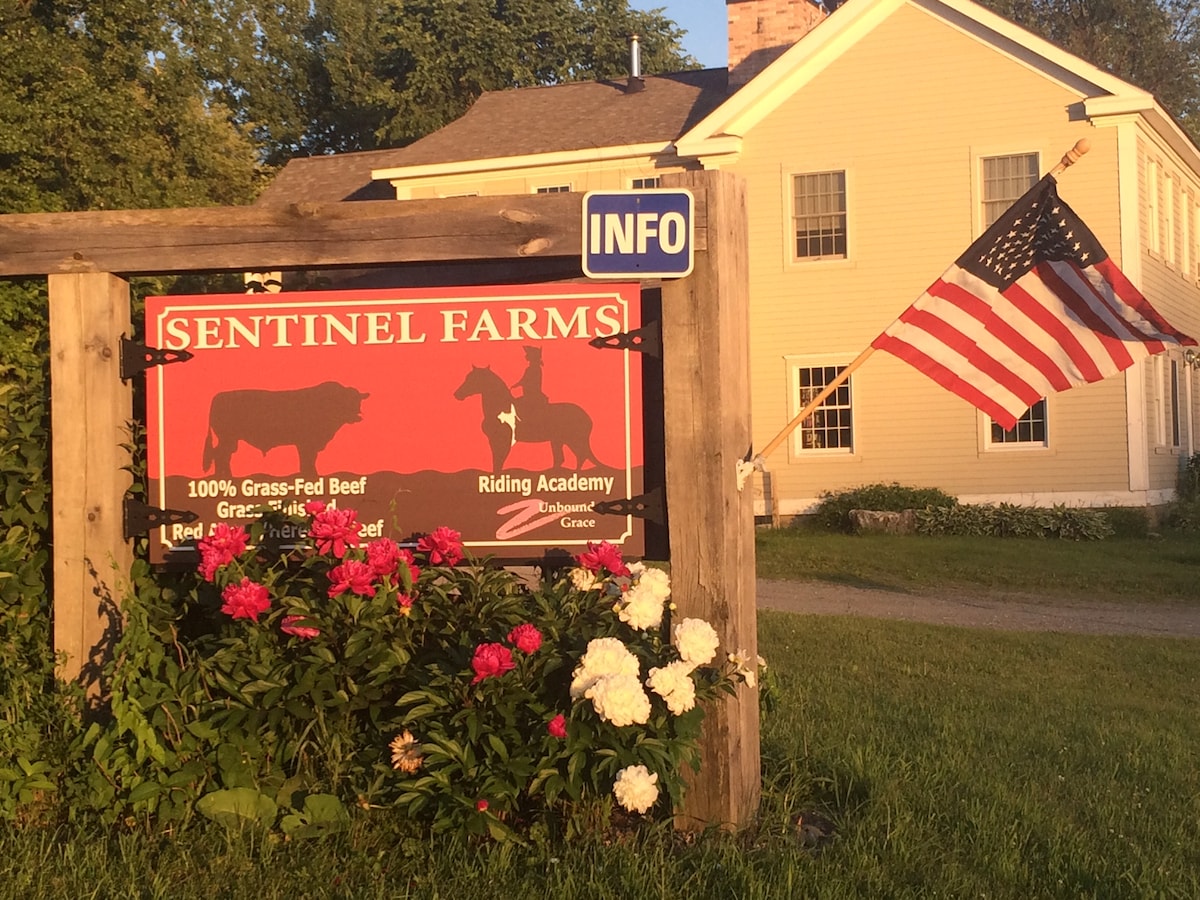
column 981, row 609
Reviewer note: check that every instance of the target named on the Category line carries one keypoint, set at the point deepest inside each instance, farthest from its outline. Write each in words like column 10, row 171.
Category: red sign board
column 486, row 409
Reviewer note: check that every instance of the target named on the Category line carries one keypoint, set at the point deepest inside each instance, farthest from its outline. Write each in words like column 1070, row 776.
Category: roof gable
column 854, row 20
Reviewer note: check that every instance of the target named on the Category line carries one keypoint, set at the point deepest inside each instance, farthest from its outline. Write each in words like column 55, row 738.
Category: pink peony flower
column 312, row 507
column 334, row 530
column 221, row 548
column 246, row 600
column 288, row 626
column 525, row 638
column 557, row 727
column 491, row 660
column 383, row 556
column 602, row 556
column 444, row 545
column 353, row 576
column 481, row 805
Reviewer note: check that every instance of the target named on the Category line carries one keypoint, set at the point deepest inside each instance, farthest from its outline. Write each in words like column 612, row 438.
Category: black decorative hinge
column 137, row 358
column 647, row 339
column 643, row 506
column 140, row 518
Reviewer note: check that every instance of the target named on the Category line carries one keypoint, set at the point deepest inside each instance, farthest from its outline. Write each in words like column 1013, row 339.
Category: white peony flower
column 674, row 684
column 696, row 642
column 635, row 788
column 744, row 669
column 657, row 582
column 620, row 699
column 604, row 656
column 583, row 579
column 642, row 609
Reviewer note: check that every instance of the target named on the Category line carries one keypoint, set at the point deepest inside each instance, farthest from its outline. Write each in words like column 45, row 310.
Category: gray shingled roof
column 518, row 122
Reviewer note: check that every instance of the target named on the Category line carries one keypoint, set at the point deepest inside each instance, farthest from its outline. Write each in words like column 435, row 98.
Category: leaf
column 145, row 791
column 237, row 807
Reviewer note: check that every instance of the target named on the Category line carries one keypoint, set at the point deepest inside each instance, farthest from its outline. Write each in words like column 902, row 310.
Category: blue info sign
column 637, row 234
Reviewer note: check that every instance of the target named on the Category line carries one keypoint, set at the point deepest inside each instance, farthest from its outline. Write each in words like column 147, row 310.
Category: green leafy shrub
column 1010, row 520
column 833, row 512
column 1128, row 521
column 36, row 718
column 284, row 686
column 1184, row 515
column 1188, row 486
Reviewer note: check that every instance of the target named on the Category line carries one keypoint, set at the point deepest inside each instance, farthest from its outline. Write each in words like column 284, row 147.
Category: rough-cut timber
column 90, row 409
column 706, row 397
column 295, row 235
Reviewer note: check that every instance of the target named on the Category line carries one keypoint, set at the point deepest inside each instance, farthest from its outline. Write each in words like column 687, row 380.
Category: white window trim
column 1160, row 400
column 806, row 361
column 562, row 187
column 1194, row 274
column 790, row 260
column 1169, row 244
column 978, row 155
column 1153, row 227
column 656, row 178
column 985, row 435
column 1186, row 264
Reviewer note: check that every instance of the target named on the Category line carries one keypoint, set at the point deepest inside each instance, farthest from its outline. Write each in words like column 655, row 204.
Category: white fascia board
column 528, row 161
column 1158, row 120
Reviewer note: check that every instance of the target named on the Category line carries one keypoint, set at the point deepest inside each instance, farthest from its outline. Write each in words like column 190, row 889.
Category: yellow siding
column 1169, row 269
column 907, row 113
column 909, row 135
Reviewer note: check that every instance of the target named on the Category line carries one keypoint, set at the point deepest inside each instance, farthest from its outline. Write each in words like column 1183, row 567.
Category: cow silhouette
column 306, row 418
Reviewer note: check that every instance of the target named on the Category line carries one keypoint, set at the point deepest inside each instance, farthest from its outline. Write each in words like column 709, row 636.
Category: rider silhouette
column 533, row 398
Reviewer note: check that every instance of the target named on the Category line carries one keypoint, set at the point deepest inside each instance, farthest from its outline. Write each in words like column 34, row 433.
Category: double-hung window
column 819, row 215
column 831, row 425
column 1004, row 180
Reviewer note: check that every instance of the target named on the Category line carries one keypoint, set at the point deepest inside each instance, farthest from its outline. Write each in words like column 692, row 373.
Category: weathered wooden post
column 90, row 409
column 706, row 372
column 706, row 376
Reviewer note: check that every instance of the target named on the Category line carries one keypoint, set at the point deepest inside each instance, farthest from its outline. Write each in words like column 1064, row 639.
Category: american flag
column 1032, row 307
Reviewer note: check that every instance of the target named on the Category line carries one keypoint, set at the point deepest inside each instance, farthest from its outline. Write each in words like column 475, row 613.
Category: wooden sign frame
column 88, row 257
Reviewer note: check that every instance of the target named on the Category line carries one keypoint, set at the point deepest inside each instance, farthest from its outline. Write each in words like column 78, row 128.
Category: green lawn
column 1160, row 570
column 950, row 762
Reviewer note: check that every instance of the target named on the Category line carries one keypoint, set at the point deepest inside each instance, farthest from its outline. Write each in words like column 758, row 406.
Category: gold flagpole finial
column 1082, row 146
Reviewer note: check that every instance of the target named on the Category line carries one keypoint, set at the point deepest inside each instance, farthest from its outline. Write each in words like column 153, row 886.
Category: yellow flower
column 404, row 753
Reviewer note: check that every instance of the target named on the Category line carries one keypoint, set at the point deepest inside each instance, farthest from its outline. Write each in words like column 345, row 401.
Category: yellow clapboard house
column 876, row 143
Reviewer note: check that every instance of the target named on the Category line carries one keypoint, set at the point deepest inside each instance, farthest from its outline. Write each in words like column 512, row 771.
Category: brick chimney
column 761, row 30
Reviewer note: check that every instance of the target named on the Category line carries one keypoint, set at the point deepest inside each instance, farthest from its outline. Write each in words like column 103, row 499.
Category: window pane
column 819, row 215
column 643, row 183
column 1030, row 428
column 831, row 426
column 1005, row 179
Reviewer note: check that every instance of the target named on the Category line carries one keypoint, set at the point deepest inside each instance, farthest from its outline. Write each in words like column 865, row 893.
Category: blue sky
column 704, row 21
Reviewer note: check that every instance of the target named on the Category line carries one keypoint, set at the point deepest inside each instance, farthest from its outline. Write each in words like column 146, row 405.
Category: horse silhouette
column 508, row 420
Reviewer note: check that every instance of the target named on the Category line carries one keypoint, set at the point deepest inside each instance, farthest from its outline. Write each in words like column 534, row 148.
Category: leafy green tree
column 1154, row 44
column 340, row 75
column 100, row 109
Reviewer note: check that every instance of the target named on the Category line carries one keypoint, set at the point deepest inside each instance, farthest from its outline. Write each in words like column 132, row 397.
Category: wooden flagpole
column 1082, row 146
